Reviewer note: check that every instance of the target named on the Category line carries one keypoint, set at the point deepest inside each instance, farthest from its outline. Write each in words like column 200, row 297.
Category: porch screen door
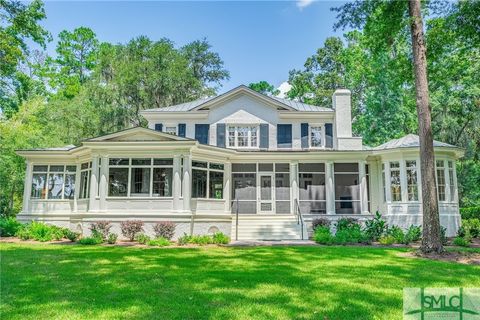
column 266, row 193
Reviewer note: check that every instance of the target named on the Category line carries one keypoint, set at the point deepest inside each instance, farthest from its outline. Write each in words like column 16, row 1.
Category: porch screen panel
column 282, row 192
column 347, row 188
column 311, row 185
column 244, row 189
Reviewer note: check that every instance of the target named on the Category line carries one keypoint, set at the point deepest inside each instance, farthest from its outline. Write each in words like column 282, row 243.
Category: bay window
column 53, row 181
column 412, row 183
column 207, row 180
column 243, row 136
column 395, row 185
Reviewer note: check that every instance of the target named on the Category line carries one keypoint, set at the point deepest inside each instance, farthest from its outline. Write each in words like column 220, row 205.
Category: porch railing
column 298, row 214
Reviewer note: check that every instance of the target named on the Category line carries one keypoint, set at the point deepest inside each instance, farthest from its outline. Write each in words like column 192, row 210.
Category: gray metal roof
column 187, row 106
column 409, row 141
column 64, row 148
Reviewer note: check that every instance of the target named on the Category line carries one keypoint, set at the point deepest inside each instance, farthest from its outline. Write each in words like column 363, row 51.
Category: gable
column 242, row 91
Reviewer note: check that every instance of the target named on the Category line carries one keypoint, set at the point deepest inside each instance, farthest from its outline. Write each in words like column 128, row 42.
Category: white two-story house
column 246, row 164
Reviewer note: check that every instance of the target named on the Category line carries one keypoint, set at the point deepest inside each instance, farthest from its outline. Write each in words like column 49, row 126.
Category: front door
column 265, row 193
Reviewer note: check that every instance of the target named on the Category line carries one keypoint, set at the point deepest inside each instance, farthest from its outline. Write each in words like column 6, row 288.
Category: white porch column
column 329, row 187
column 294, row 193
column 77, row 188
column 177, row 181
column 102, row 192
column 93, row 185
column 27, row 190
column 187, row 185
column 363, row 186
column 227, row 176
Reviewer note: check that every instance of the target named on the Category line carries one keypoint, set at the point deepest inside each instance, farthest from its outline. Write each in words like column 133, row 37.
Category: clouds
column 301, row 4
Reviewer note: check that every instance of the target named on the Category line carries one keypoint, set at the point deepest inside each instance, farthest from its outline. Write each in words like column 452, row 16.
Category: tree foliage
column 264, row 87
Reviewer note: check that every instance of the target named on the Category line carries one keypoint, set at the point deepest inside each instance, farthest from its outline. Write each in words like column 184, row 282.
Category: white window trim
column 207, row 170
column 322, row 128
column 249, row 136
column 48, row 172
column 417, row 172
column 171, row 125
column 129, row 179
column 399, row 169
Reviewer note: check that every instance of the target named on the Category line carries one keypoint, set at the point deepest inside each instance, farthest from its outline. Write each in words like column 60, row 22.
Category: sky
column 256, row 40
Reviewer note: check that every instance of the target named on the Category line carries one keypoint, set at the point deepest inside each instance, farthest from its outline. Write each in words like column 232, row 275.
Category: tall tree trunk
column 431, row 241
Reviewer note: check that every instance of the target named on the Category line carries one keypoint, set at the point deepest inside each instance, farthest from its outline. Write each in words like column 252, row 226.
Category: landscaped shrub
column 414, row 233
column 165, row 229
column 201, row 240
column 184, row 240
column 461, row 241
column 220, row 238
column 40, row 231
column 112, row 238
column 320, row 222
column 386, row 240
column 159, row 242
column 9, row 226
column 23, row 233
column 71, row 235
column 470, row 213
column 346, row 223
column 376, row 227
column 131, row 228
column 443, row 235
column 142, row 238
column 323, row 235
column 90, row 240
column 397, row 234
column 101, row 229
column 472, row 226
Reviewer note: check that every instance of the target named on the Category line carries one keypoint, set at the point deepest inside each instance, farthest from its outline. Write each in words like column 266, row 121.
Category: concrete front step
column 266, row 227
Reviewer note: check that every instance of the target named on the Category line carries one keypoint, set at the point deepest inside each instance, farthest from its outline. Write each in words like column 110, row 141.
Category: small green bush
column 323, row 235
column 131, row 228
column 472, row 226
column 71, row 235
column 112, row 238
column 40, row 231
column 220, row 238
column 164, row 229
column 159, row 242
column 413, row 233
column 101, row 229
column 386, row 240
column 201, row 240
column 346, row 223
column 470, row 213
column 90, row 240
column 350, row 235
column 443, row 235
column 320, row 222
column 184, row 240
column 376, row 227
column 9, row 226
column 142, row 238
column 397, row 234
column 461, row 241
column 23, row 233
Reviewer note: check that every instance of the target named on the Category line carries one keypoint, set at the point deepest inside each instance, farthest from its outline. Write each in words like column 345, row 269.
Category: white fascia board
column 140, row 145
column 449, row 151
column 174, row 115
column 307, row 115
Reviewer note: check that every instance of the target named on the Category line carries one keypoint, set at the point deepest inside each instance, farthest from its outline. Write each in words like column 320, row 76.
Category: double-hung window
column 412, row 184
column 440, row 164
column 395, row 185
column 316, row 136
column 243, row 136
column 451, row 180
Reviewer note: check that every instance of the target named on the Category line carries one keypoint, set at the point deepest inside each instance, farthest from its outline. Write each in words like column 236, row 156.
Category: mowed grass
column 47, row 281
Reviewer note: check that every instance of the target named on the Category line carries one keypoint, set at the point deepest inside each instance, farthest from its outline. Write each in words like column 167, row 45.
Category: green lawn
column 79, row 282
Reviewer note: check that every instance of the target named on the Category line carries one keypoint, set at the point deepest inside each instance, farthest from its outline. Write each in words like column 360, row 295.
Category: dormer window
column 243, row 136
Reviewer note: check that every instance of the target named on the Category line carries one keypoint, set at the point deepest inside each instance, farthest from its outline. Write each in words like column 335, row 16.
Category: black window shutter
column 201, row 133
column 328, row 135
column 264, row 135
column 181, row 129
column 221, row 135
column 158, row 127
column 304, row 135
column 284, row 136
